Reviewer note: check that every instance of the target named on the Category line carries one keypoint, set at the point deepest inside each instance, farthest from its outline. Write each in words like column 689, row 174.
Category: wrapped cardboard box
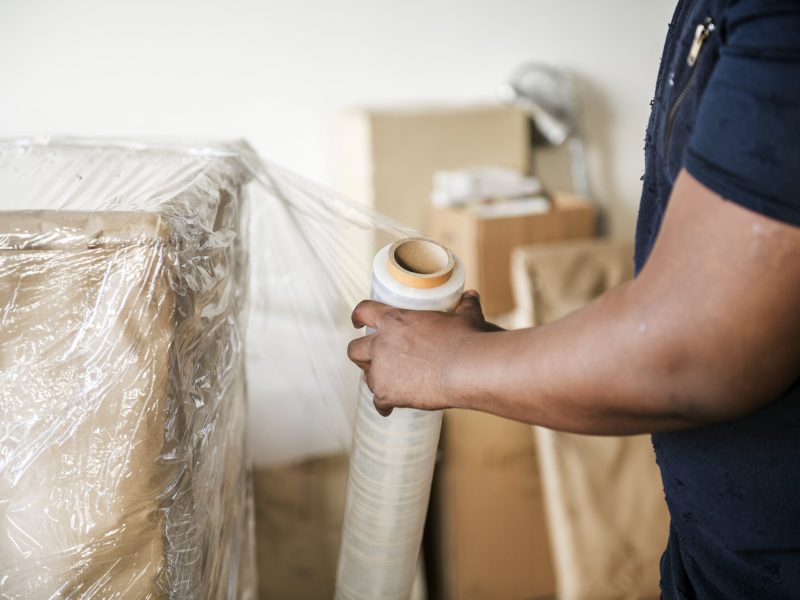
column 135, row 277
column 122, row 409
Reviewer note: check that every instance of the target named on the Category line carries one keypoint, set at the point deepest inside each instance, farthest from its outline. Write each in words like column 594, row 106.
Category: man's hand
column 405, row 361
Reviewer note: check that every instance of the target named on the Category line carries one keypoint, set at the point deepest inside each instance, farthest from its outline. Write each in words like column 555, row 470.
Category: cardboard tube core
column 420, row 262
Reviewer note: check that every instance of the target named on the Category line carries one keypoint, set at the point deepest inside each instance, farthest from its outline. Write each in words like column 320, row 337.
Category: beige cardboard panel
column 457, row 230
column 123, row 407
column 389, row 156
column 606, row 513
column 491, row 537
column 96, row 436
column 298, row 527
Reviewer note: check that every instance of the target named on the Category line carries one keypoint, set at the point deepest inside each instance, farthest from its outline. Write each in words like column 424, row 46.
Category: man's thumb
column 470, row 306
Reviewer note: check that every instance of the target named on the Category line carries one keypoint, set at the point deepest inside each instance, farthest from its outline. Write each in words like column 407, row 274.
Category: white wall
column 278, row 72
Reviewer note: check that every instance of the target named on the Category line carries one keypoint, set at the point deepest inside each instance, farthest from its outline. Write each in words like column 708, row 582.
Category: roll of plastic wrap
column 392, row 459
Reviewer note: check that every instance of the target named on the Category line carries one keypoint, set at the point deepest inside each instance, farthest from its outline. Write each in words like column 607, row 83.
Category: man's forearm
column 707, row 332
column 597, row 371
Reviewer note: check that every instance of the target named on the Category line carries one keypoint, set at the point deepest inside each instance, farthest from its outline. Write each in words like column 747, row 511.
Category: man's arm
column 708, row 332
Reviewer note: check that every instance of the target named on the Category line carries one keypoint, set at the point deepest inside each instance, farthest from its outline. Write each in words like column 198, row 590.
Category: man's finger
column 368, row 381
column 383, row 409
column 368, row 313
column 359, row 350
column 470, row 306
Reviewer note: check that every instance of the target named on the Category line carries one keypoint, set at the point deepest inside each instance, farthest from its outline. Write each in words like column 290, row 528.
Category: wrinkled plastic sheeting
column 139, row 281
column 314, row 250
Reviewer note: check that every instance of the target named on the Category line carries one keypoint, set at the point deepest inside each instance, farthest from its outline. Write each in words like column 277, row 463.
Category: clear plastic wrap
column 137, row 280
column 392, row 461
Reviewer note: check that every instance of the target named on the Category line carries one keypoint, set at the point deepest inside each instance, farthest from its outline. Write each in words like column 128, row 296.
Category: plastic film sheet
column 138, row 281
column 391, row 466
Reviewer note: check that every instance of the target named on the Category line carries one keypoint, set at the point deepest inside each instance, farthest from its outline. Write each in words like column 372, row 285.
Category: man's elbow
column 711, row 391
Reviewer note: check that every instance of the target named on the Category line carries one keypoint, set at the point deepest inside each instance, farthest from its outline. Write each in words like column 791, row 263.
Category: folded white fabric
column 463, row 186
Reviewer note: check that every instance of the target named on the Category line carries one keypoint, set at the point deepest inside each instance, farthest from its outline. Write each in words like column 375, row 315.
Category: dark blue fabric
column 733, row 489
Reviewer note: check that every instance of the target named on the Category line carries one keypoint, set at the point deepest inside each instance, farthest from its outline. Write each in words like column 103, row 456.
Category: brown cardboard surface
column 298, row 527
column 299, row 510
column 420, row 263
column 51, row 280
column 485, row 245
column 389, row 156
column 488, row 536
column 93, row 350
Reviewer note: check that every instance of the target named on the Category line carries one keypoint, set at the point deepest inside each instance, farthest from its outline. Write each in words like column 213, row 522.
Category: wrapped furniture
column 122, row 407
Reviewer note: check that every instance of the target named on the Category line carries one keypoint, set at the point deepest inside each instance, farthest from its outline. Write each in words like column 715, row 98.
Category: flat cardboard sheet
column 606, row 513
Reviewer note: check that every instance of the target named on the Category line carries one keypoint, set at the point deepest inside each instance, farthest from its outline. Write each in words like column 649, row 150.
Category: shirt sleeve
column 746, row 140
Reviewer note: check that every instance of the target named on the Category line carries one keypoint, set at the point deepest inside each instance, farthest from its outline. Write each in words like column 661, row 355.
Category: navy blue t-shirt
column 727, row 108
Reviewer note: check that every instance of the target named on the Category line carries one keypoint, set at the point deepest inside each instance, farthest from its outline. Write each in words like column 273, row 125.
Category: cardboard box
column 485, row 244
column 487, row 535
column 389, row 156
column 298, row 527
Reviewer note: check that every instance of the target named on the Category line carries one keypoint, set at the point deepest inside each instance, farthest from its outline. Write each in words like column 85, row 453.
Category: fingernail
column 384, row 412
column 472, row 294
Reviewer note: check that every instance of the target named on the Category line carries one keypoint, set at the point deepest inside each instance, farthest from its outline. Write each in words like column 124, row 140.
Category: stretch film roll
column 392, row 460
